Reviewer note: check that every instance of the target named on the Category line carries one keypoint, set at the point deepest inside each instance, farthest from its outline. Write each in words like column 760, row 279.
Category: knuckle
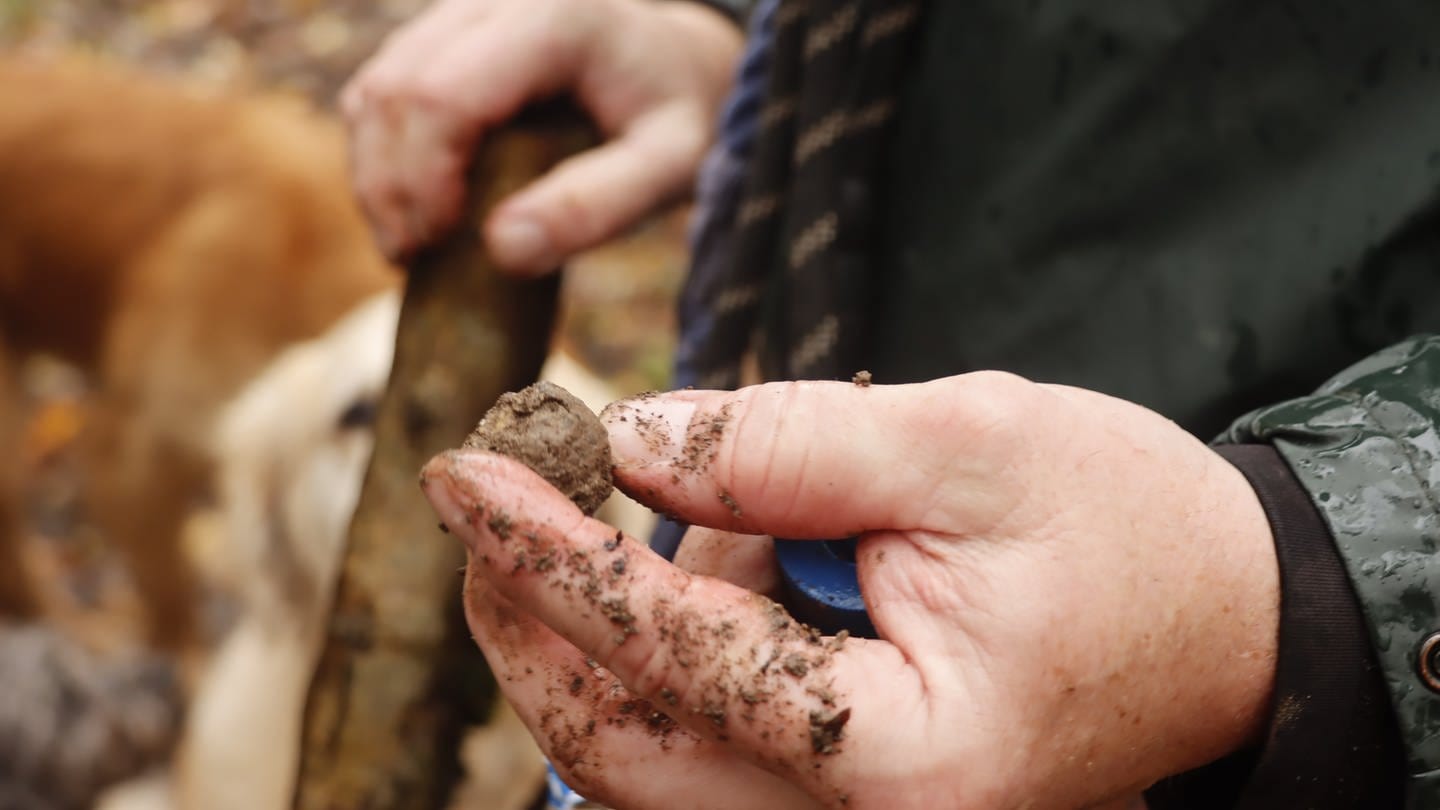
column 433, row 93
column 994, row 404
column 393, row 90
column 371, row 89
column 760, row 466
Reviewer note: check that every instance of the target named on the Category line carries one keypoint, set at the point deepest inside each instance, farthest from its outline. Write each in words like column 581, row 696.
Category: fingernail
column 647, row 429
column 519, row 242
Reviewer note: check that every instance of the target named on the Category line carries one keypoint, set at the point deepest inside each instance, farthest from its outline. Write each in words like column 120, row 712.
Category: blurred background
column 618, row 306
column 616, row 321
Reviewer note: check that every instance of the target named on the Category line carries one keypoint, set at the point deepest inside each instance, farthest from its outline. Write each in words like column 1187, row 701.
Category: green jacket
column 1365, row 446
column 1205, row 207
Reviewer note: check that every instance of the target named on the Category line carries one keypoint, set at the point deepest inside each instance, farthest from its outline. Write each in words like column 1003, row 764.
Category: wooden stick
column 399, row 677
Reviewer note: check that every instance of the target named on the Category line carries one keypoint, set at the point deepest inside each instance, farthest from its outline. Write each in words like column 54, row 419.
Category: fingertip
column 473, row 477
column 438, row 468
column 474, row 486
column 454, row 482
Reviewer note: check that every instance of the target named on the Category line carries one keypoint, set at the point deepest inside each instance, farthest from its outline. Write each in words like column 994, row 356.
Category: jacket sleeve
column 1366, row 450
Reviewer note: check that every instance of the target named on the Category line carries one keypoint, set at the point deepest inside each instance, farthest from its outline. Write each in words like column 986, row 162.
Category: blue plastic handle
column 821, row 585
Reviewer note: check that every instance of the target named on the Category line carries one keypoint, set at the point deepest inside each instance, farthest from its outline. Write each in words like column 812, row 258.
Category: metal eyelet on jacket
column 1429, row 663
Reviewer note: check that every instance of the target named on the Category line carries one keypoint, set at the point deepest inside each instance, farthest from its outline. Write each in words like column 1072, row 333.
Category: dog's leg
column 17, row 598
column 142, row 487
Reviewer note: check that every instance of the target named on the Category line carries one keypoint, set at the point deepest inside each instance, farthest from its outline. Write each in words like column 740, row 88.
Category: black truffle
column 553, row 433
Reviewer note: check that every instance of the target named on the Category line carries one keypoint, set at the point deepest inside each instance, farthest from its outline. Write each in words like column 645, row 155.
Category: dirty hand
column 650, row 74
column 1076, row 599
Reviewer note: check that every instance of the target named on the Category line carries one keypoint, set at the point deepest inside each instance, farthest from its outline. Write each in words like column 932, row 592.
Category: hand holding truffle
column 1043, row 565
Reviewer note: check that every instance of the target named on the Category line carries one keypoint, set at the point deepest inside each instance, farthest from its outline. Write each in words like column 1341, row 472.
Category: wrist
column 1331, row 739
column 1244, row 610
column 1211, row 639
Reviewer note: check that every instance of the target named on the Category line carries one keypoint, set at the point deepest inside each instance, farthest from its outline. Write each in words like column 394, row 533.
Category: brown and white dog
column 174, row 245
column 201, row 259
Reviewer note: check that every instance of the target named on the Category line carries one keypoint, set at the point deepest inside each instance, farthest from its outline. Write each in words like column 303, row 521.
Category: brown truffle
column 554, row 434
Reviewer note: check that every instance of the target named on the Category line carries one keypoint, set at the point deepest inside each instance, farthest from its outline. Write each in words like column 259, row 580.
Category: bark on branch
column 399, row 676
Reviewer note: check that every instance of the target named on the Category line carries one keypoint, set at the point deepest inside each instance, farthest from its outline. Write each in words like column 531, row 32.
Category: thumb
column 597, row 194
column 810, row 460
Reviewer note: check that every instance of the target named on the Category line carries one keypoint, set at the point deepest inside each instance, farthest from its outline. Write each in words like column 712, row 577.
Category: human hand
column 650, row 74
column 1075, row 598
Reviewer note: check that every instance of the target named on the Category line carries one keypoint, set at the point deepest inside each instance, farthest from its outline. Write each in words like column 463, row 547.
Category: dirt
column 729, row 501
column 784, row 671
column 702, row 436
column 702, row 440
column 553, row 433
column 796, row 665
column 651, row 430
column 617, row 610
column 752, row 666
column 657, row 723
column 500, row 524
column 827, row 729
